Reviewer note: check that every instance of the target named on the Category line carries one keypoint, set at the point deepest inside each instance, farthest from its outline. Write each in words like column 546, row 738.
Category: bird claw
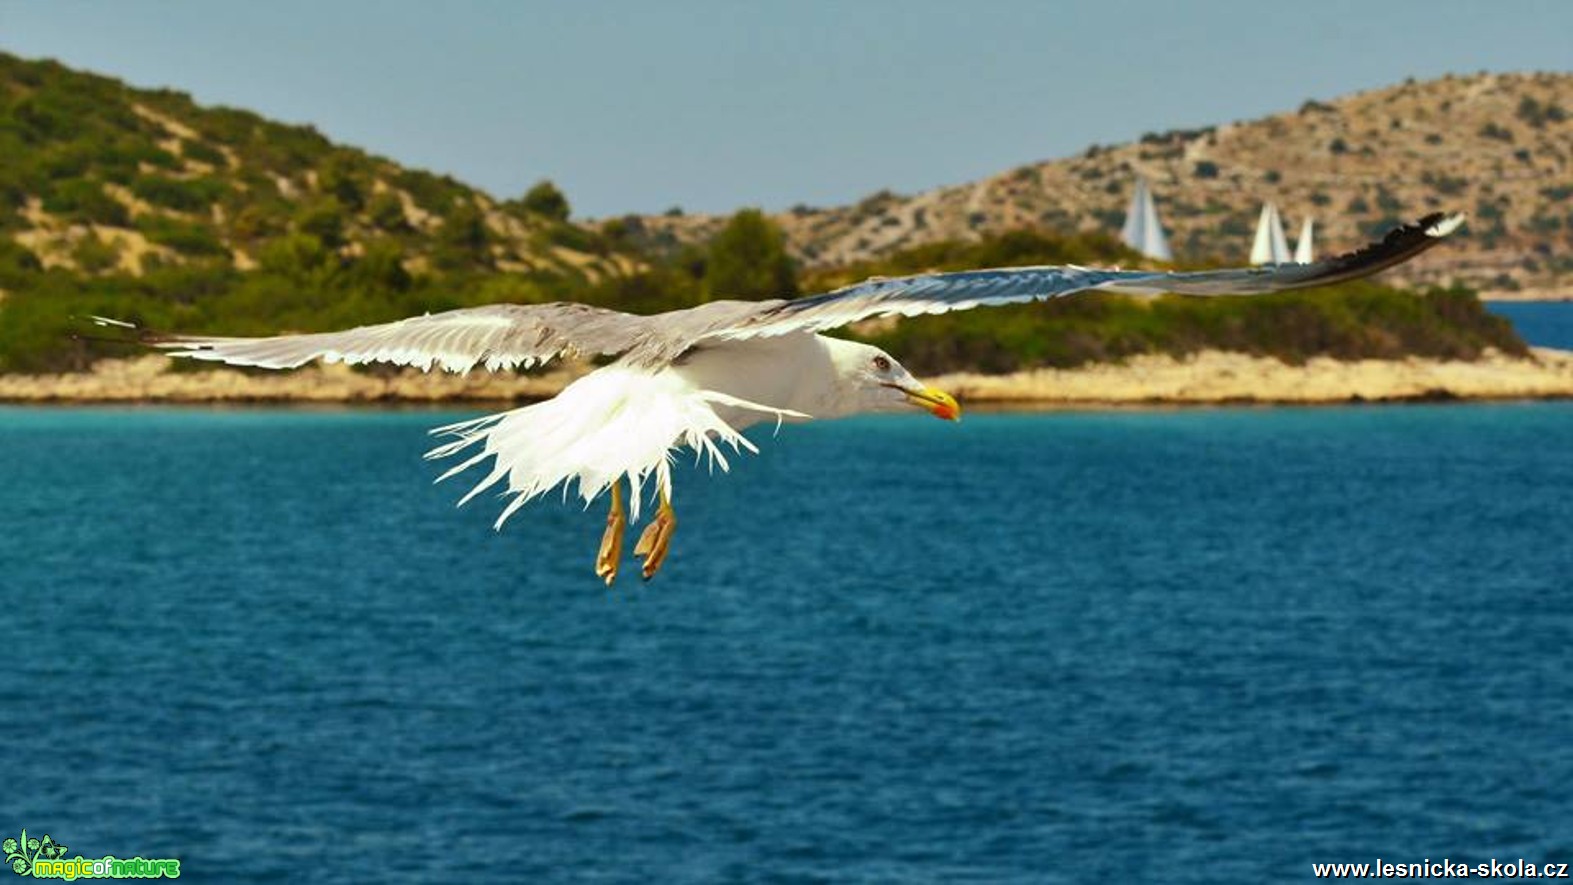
column 656, row 541
column 606, row 560
column 611, row 548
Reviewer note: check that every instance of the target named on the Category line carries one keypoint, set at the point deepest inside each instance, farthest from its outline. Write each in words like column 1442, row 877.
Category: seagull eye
column 882, row 363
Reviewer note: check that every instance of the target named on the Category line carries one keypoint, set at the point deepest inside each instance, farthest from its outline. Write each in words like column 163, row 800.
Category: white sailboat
column 1269, row 247
column 1304, row 252
column 1142, row 231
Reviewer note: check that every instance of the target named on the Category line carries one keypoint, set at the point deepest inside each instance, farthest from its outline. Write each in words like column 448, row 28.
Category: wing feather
column 508, row 336
column 499, row 336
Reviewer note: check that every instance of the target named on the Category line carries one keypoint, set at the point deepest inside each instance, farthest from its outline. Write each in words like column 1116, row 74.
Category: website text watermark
column 1441, row 869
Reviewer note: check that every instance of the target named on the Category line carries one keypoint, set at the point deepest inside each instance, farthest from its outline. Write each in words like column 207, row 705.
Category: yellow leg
column 612, row 539
column 657, row 538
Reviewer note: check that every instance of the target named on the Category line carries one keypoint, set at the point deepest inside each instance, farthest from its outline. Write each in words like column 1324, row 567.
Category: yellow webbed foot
column 611, row 551
column 656, row 540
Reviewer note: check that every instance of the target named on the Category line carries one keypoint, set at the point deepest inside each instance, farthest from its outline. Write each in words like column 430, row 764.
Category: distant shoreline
column 1203, row 379
column 1221, row 378
column 1528, row 295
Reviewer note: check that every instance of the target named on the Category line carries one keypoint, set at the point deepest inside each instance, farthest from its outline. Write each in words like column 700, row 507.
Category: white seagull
column 696, row 378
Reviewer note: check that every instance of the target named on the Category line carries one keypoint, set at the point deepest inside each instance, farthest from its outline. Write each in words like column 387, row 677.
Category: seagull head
column 875, row 382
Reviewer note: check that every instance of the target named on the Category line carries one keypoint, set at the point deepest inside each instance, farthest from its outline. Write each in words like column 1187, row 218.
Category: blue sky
column 638, row 106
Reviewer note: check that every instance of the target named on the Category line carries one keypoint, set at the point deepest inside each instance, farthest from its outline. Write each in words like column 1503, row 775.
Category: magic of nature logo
column 44, row 858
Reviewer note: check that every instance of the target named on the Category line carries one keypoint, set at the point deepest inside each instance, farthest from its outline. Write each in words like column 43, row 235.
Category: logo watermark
column 44, row 858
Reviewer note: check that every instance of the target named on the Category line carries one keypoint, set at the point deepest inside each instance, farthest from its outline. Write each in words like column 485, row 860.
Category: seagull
column 696, row 378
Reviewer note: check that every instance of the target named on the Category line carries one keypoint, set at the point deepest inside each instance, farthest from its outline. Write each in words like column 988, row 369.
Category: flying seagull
column 696, row 378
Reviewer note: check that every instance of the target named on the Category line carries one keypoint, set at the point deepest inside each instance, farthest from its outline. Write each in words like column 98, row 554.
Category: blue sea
column 1202, row 646
column 1540, row 323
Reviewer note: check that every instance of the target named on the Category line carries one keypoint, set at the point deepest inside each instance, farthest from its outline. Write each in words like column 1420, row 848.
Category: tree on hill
column 340, row 178
column 381, row 269
column 545, row 200
column 748, row 259
column 463, row 241
column 294, row 256
column 323, row 219
column 386, row 212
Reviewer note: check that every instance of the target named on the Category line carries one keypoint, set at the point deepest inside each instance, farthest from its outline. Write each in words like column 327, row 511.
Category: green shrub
column 1444, row 184
column 545, row 200
column 380, row 268
column 436, row 194
column 1499, row 133
column 66, row 161
column 579, row 239
column 16, row 263
column 748, row 259
column 295, row 255
column 323, row 219
column 195, row 195
column 203, row 152
column 83, row 201
column 342, row 179
column 196, row 240
column 260, row 220
column 1538, row 115
column 463, row 241
column 93, row 255
column 386, row 212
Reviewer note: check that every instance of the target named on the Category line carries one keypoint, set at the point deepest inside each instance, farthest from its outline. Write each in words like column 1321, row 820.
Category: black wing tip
column 1399, row 245
column 1434, row 226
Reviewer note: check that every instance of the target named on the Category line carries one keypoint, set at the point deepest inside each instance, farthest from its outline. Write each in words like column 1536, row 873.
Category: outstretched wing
column 500, row 336
column 945, row 292
column 508, row 336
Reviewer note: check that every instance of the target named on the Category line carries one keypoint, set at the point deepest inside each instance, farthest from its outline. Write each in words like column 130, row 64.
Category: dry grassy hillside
column 1497, row 146
column 98, row 177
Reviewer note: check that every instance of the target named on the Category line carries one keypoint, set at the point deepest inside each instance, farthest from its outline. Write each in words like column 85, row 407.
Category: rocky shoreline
column 1207, row 378
column 1216, row 377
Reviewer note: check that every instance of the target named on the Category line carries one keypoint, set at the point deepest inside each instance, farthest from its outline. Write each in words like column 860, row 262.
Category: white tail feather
column 613, row 424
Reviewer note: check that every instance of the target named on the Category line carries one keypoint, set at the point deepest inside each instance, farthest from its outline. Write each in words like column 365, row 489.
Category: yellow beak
column 938, row 402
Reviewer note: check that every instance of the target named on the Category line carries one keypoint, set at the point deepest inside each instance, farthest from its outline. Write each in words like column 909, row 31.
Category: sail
column 1304, row 252
column 1142, row 231
column 1270, row 246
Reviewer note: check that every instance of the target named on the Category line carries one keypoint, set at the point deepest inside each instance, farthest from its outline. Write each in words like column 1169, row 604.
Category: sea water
column 1186, row 646
column 1541, row 323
